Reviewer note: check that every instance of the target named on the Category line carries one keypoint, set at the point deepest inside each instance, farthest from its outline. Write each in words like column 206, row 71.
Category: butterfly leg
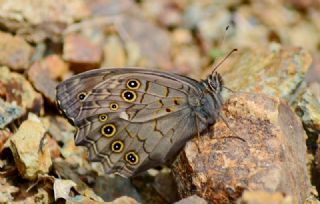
column 231, row 129
column 198, row 133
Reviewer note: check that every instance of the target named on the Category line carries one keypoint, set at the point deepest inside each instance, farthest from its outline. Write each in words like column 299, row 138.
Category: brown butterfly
column 135, row 119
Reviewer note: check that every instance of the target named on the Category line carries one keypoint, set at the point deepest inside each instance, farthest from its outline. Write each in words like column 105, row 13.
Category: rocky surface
column 270, row 156
column 29, row 149
column 44, row 42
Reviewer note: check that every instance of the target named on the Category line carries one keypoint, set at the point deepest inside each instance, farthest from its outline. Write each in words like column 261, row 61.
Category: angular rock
column 9, row 112
column 271, row 158
column 15, row 88
column 15, row 52
column 29, row 149
column 43, row 75
column 81, row 53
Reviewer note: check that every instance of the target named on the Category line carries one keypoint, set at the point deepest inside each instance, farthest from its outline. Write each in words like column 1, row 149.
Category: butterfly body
column 135, row 119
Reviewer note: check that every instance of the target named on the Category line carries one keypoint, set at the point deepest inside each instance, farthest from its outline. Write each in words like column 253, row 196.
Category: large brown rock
column 44, row 74
column 272, row 158
column 81, row 52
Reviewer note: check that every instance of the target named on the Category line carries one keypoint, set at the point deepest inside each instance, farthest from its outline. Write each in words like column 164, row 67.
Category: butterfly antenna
column 222, row 43
column 224, row 35
column 214, row 69
column 232, row 91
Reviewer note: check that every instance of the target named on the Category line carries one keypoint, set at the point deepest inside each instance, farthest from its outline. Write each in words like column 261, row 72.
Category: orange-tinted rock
column 15, row 52
column 56, row 67
column 272, row 158
column 81, row 53
column 14, row 87
column 43, row 75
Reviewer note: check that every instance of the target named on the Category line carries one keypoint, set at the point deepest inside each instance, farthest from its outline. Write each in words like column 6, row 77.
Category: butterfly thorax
column 211, row 100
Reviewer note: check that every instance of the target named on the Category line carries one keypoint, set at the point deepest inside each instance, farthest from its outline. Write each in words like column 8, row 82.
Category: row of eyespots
column 127, row 95
column 117, row 146
column 131, row 157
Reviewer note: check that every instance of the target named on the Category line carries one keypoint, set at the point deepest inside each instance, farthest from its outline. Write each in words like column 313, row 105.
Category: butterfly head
column 215, row 82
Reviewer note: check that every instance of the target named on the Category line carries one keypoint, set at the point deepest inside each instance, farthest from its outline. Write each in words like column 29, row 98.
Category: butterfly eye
column 103, row 117
column 117, row 146
column 82, row 96
column 108, row 130
column 114, row 106
column 129, row 96
column 133, row 84
column 132, row 158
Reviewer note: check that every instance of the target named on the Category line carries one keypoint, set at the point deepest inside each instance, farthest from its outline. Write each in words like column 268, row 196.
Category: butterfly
column 134, row 119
